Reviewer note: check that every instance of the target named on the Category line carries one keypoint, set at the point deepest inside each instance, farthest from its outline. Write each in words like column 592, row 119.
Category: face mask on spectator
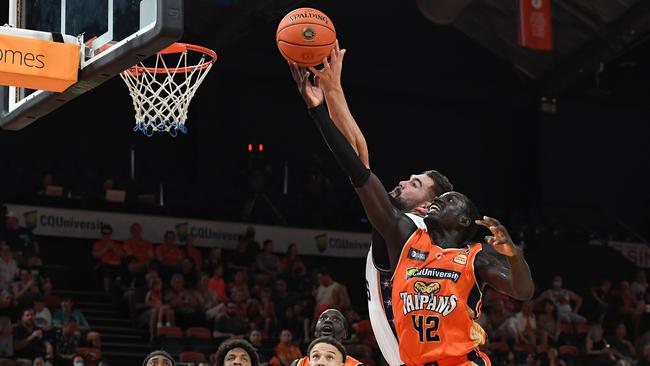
column 557, row 284
column 78, row 363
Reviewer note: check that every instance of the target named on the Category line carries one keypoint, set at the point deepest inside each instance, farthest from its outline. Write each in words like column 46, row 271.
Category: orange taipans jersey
column 436, row 300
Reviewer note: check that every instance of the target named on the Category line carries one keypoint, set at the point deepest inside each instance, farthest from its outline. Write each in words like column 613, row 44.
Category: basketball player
column 437, row 280
column 413, row 195
column 326, row 351
column 331, row 323
column 159, row 358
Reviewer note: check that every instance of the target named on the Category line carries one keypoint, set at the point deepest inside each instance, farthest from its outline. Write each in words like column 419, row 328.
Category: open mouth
column 327, row 330
column 434, row 208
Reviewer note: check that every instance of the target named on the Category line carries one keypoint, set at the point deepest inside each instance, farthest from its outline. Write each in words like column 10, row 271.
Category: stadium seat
column 199, row 339
column 171, row 340
column 568, row 350
column 566, row 328
column 189, row 356
column 198, row 333
column 499, row 347
column 522, row 348
column 542, row 348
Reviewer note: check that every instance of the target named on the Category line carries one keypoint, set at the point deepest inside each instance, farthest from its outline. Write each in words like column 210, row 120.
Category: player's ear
column 465, row 221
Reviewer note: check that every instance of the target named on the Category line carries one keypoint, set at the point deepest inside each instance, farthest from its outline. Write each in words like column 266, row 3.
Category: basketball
column 305, row 36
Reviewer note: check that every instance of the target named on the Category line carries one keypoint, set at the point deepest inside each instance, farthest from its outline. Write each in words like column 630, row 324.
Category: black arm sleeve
column 343, row 151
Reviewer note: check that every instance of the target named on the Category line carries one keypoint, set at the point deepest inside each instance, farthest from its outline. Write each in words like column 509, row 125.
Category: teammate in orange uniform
column 331, row 323
column 434, row 305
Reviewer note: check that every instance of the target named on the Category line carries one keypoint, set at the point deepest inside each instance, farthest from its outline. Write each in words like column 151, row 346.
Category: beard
column 397, row 201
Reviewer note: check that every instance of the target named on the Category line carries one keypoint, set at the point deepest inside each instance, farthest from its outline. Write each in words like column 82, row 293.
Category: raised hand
column 311, row 93
column 500, row 241
column 330, row 75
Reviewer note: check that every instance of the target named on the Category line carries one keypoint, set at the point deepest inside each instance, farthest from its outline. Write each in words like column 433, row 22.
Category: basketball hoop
column 162, row 93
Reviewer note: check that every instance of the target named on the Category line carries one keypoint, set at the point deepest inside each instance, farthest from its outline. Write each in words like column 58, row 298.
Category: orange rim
column 177, row 48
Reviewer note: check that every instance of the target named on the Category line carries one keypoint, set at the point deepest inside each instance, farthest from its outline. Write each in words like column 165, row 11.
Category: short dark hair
column 158, row 353
column 230, row 344
column 441, row 183
column 331, row 341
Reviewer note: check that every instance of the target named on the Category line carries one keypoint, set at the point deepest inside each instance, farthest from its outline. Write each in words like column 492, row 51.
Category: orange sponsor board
column 38, row 64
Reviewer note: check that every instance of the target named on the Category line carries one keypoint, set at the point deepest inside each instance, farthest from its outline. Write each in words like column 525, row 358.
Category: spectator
column 640, row 284
column 21, row 241
column 207, row 299
column 8, row 266
column 292, row 264
column 562, row 299
column 168, row 255
column 189, row 272
column 6, row 342
column 26, row 288
column 66, row 342
column 645, row 357
column 597, row 301
column 42, row 315
column 187, row 310
column 236, row 352
column 523, row 326
column 497, row 321
column 158, row 358
column 216, row 284
column 282, row 299
column 267, row 263
column 138, row 247
column 294, row 323
column 240, row 286
column 330, row 294
column 241, row 259
column 28, row 340
column 597, row 351
column 549, row 325
column 189, row 251
column 161, row 313
column 230, row 325
column 67, row 310
column 78, row 360
column 109, row 254
column 267, row 310
column 256, row 340
column 622, row 348
column 8, row 306
column 253, row 245
column 285, row 350
column 213, row 260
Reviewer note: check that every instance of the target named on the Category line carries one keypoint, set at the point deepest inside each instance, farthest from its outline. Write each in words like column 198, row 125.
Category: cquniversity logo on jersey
column 433, row 273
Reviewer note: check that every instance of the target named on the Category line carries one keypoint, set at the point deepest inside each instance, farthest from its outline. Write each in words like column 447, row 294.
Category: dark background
column 425, row 96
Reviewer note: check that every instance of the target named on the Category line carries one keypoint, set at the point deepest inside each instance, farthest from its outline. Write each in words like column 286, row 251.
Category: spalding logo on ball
column 305, row 36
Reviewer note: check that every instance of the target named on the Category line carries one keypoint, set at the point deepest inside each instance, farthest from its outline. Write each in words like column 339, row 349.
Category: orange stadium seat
column 190, row 356
column 90, row 355
column 198, row 333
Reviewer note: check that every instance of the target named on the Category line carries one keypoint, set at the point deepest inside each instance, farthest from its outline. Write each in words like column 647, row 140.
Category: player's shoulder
column 351, row 361
column 300, row 362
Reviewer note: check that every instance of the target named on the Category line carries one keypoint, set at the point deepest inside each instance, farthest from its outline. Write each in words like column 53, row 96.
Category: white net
column 162, row 94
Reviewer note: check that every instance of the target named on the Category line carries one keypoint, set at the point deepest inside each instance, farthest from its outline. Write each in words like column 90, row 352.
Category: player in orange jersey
column 434, row 303
column 331, row 323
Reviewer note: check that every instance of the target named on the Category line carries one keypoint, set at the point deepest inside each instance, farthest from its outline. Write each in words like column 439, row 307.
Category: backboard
column 117, row 34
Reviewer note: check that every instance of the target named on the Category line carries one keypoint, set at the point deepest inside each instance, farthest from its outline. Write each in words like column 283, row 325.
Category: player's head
column 236, row 352
column 331, row 323
column 159, row 358
column 420, row 189
column 453, row 211
column 326, row 351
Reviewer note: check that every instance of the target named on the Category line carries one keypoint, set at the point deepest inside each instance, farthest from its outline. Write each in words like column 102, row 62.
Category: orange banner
column 535, row 24
column 38, row 64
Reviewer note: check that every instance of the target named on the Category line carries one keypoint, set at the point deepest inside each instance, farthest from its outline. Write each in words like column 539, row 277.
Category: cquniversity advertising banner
column 59, row 222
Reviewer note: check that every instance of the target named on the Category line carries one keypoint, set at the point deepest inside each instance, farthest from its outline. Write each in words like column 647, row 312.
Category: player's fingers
column 482, row 223
column 326, row 64
column 313, row 69
column 492, row 220
column 334, row 55
column 489, row 239
column 317, row 81
column 342, row 54
column 336, row 46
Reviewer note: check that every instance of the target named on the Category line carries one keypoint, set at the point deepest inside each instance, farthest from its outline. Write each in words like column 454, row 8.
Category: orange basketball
column 305, row 36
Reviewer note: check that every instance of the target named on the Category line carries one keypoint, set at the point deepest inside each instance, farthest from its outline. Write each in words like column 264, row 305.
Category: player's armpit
column 513, row 280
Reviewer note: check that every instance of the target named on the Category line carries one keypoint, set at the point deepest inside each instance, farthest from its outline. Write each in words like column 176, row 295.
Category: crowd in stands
column 273, row 300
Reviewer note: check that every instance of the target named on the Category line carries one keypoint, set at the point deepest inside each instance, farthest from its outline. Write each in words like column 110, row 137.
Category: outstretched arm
column 514, row 279
column 338, row 108
column 393, row 226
